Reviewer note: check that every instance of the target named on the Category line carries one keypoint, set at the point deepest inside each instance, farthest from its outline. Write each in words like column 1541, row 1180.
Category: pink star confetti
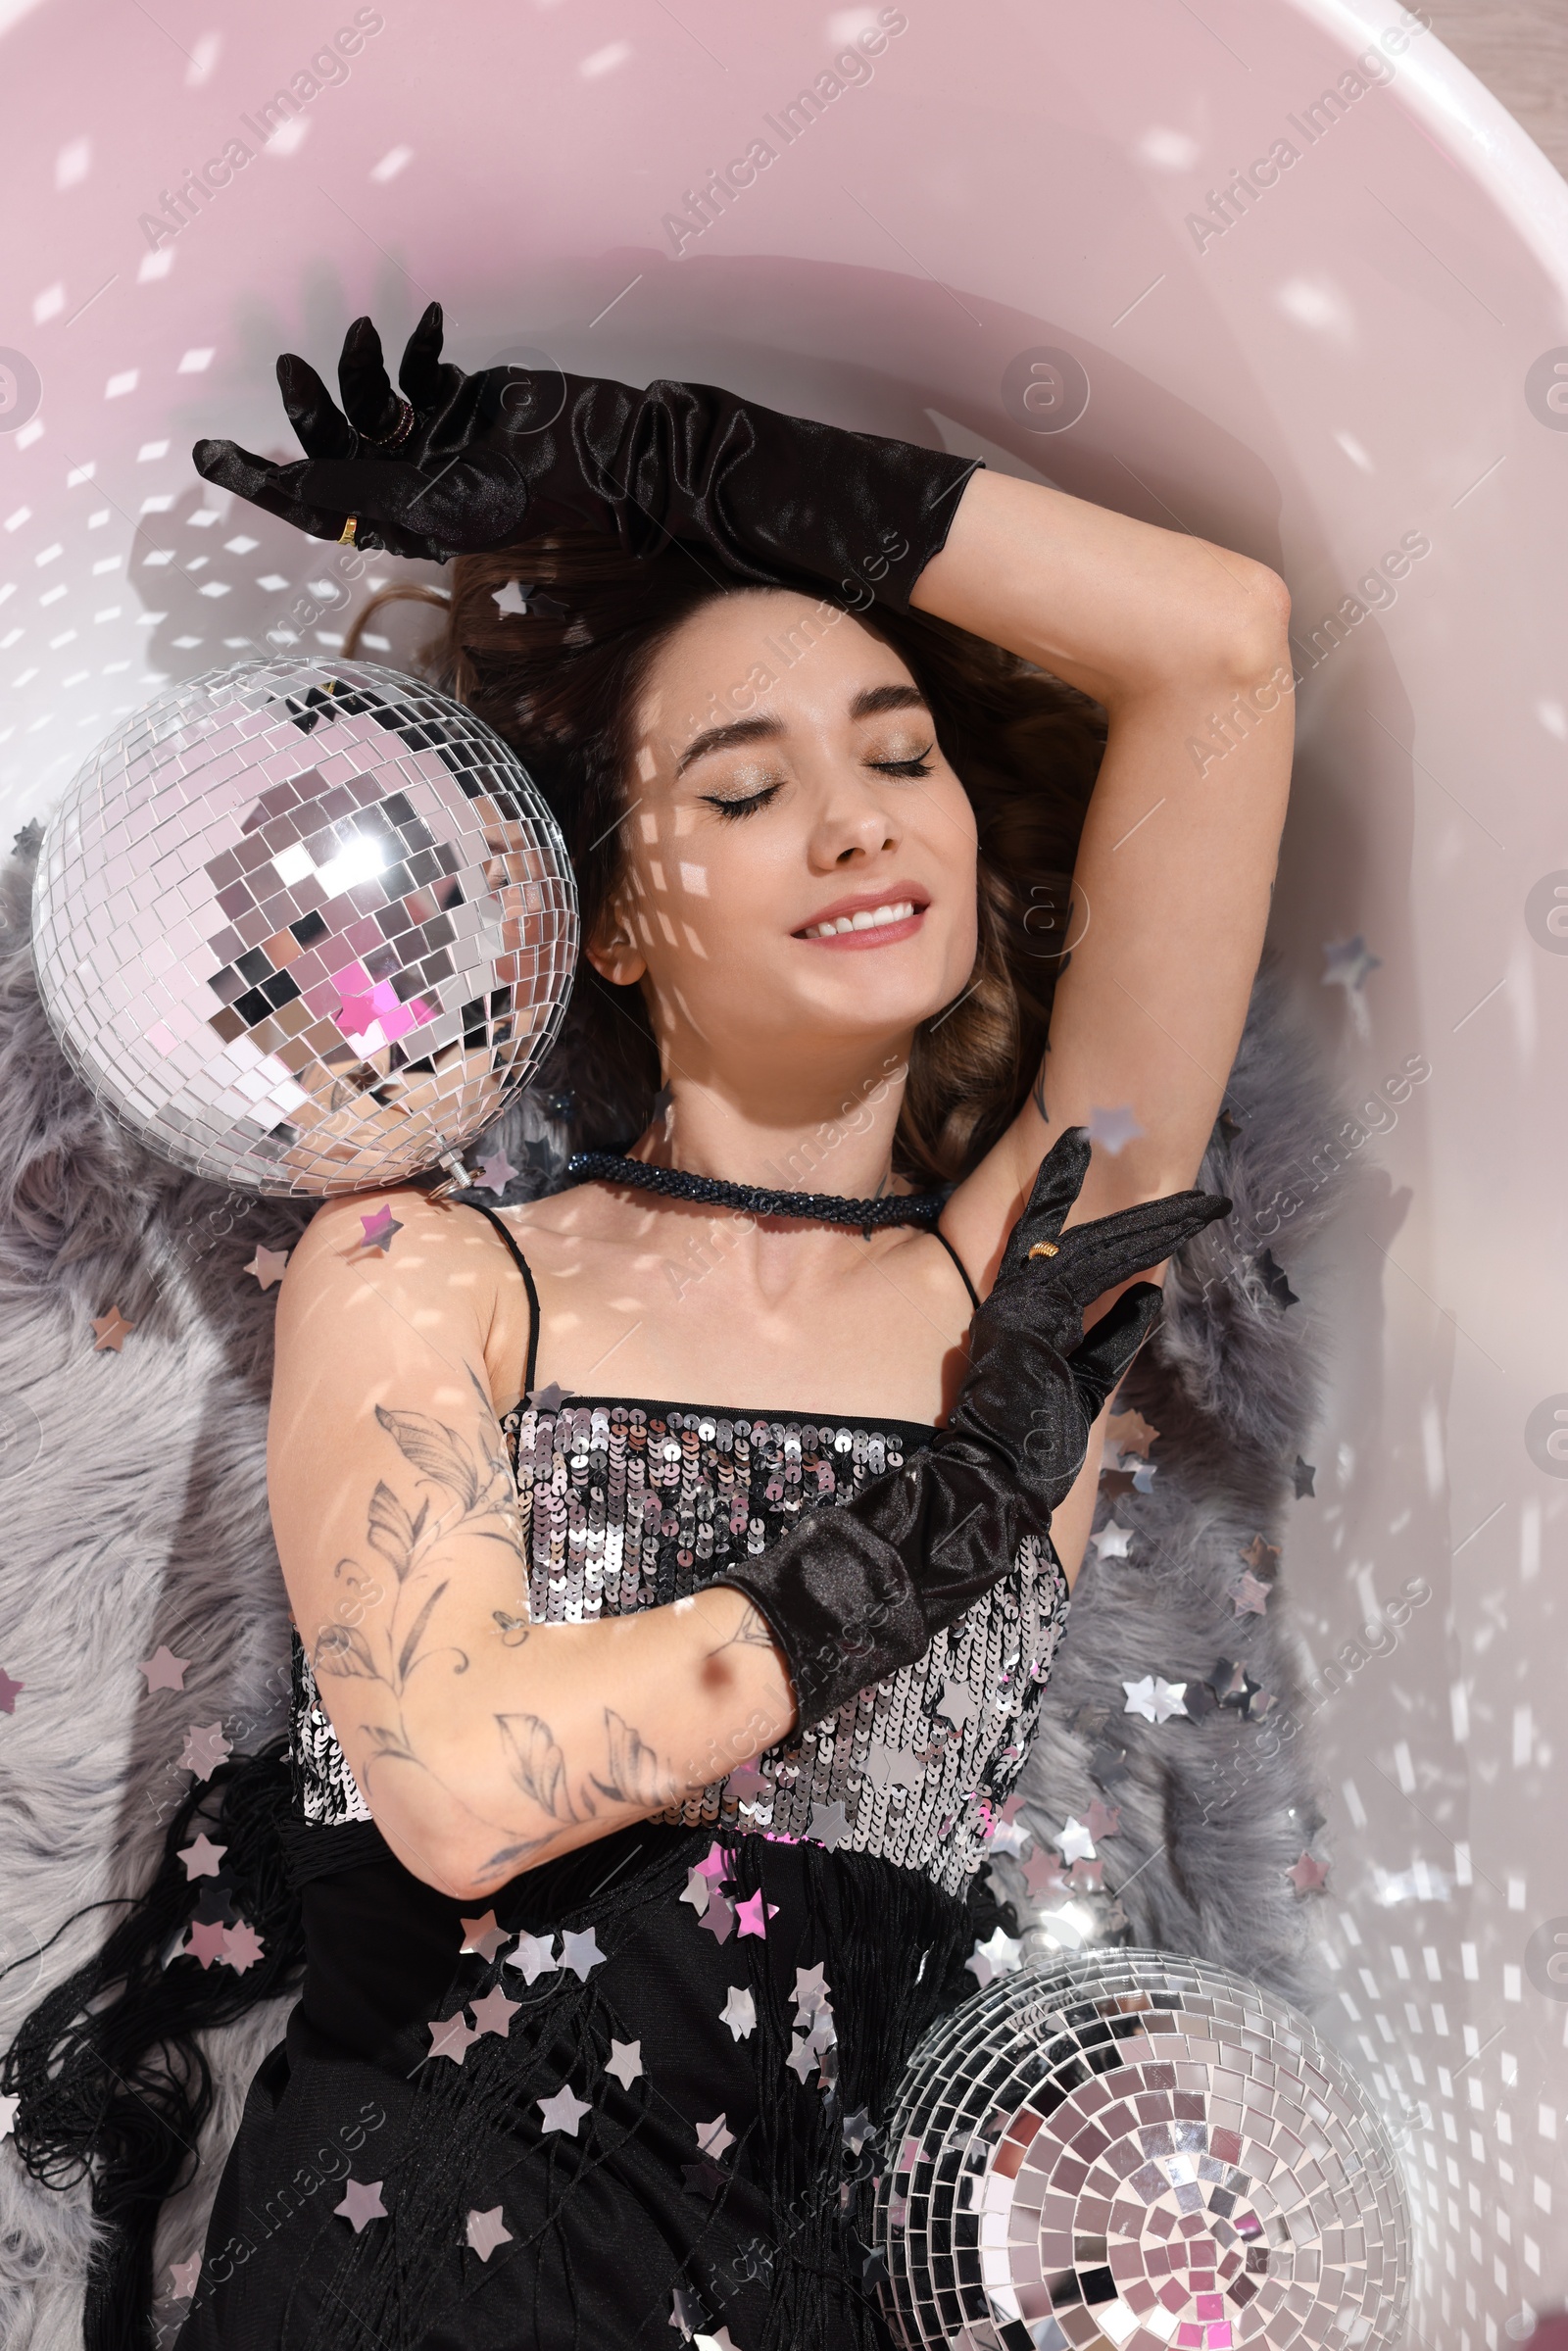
column 164, row 1670
column 1130, row 1432
column 749, row 1914
column 715, row 1862
column 565, row 2111
column 1105, row 1820
column 699, row 1891
column 381, row 1229
column 206, row 1940
column 496, row 1173
column 1308, row 1876
column 716, row 2136
column 371, row 1014
column 362, row 2203
column 485, row 2231
column 483, row 1935
column 203, row 1859
column 242, row 1946
column 495, row 2012
column 1042, row 1874
column 267, row 1265
column 1259, row 1553
column 113, row 1330
column 182, row 2277
column 9, row 1691
column 1249, row 1597
column 625, row 2061
column 580, row 1952
column 204, row 1750
column 450, row 2036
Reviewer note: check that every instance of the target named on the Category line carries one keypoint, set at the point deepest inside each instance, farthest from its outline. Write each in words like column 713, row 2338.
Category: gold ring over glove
column 346, row 534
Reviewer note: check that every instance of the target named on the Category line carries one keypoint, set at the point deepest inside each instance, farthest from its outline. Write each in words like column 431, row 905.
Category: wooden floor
column 1519, row 48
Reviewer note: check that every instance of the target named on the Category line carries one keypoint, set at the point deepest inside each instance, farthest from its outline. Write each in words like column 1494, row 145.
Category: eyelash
column 734, row 808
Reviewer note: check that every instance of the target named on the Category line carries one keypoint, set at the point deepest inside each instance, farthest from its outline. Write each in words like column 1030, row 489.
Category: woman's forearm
column 574, row 1731
column 1114, row 606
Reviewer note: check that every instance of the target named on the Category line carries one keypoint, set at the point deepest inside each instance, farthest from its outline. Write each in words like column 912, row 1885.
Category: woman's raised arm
column 483, row 1743
column 1177, row 858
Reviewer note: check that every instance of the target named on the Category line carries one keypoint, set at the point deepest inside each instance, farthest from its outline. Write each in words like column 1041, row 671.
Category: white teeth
column 869, row 919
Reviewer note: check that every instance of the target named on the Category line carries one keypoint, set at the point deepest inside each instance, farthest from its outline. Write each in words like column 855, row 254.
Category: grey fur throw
column 133, row 1515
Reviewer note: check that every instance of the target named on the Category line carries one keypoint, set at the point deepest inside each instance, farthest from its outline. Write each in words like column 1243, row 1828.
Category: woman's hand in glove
column 854, row 1593
column 465, row 463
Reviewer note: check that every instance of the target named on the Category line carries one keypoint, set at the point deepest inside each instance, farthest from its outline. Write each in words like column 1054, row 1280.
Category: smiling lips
column 867, row 921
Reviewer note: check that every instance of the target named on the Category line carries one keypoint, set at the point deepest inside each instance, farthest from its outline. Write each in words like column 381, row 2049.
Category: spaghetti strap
column 522, row 1263
column 974, row 1295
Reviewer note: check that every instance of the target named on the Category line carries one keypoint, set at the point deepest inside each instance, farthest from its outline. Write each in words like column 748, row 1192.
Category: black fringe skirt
column 409, row 2175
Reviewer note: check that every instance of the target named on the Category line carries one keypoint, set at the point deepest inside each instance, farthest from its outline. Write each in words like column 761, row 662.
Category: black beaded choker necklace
column 821, row 1207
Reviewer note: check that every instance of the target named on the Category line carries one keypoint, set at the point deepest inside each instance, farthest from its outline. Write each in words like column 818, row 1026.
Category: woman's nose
column 850, row 825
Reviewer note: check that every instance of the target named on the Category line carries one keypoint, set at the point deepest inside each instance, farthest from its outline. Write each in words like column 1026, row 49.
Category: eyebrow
column 869, row 703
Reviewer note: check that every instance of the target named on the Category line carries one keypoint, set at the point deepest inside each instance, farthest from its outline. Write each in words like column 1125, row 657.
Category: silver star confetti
column 1154, row 1699
column 535, row 1955
column 830, row 1824
column 1075, row 1843
column 739, row 2013
column 698, row 1887
column 997, row 1955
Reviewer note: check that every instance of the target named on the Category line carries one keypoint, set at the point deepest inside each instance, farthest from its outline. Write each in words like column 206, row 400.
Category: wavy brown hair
column 562, row 683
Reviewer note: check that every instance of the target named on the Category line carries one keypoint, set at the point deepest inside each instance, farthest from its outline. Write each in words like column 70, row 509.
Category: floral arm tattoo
column 469, row 1491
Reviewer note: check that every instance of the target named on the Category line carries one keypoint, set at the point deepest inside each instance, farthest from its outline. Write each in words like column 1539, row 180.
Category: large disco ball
column 1131, row 2152
column 304, row 925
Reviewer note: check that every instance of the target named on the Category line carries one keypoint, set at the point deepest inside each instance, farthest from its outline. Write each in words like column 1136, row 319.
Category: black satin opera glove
column 854, row 1593
column 465, row 463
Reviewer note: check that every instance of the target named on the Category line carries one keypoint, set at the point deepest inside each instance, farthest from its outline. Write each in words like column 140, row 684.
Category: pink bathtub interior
column 1069, row 239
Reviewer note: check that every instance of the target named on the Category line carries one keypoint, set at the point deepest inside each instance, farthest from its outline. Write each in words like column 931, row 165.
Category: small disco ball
column 1136, row 2153
column 303, row 926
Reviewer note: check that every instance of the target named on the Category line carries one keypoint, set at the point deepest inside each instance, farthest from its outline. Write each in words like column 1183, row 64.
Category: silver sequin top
column 629, row 1506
